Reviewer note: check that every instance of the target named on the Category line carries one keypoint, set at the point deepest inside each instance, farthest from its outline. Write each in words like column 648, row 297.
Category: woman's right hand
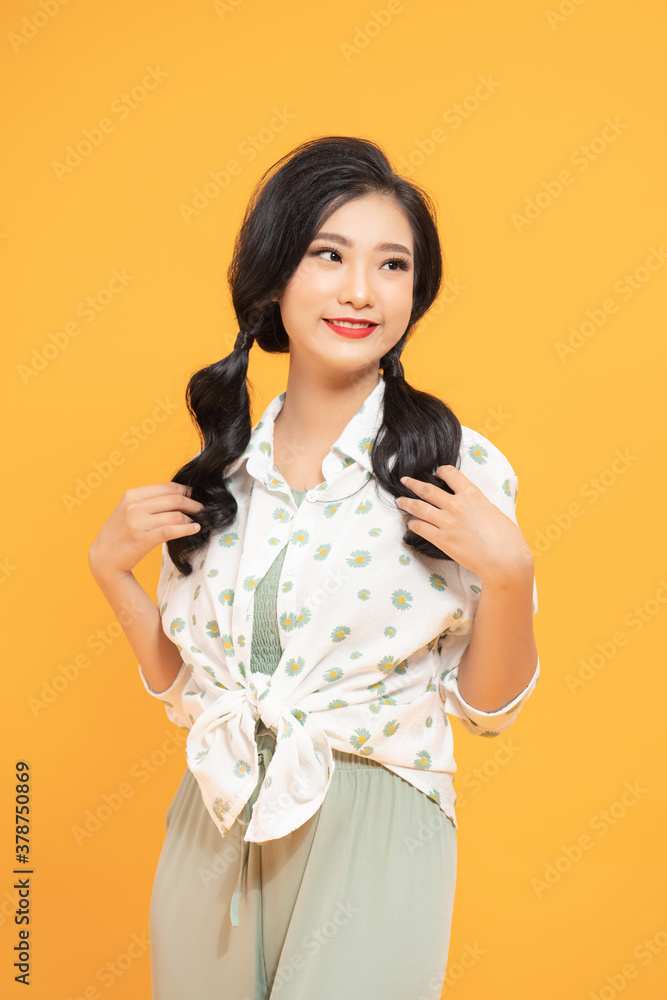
column 145, row 517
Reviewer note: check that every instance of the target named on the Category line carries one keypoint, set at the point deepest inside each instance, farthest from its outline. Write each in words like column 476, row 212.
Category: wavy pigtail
column 422, row 433
column 218, row 400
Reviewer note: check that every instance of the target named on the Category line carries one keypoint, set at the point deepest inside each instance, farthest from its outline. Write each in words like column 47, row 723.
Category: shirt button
column 311, row 497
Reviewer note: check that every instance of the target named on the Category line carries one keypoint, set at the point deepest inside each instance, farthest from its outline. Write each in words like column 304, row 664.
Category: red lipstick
column 346, row 331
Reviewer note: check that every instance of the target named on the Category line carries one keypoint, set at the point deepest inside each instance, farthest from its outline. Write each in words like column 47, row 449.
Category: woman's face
column 346, row 274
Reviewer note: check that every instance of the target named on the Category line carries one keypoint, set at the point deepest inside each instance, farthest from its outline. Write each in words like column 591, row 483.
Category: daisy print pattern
column 371, row 631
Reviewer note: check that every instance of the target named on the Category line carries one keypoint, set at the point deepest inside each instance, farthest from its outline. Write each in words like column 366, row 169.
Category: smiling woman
column 321, row 573
column 330, row 233
column 343, row 308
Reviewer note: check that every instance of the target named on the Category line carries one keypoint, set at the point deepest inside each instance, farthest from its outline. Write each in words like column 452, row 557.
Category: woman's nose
column 356, row 287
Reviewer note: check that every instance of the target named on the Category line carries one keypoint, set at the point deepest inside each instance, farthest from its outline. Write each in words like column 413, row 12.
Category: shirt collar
column 354, row 443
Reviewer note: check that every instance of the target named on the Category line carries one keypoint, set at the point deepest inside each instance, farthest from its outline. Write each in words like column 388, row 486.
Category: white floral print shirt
column 372, row 633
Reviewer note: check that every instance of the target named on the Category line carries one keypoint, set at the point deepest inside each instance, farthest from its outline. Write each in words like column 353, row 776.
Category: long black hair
column 291, row 201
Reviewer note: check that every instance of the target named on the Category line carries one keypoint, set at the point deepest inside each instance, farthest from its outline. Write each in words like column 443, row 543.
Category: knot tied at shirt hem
column 222, row 755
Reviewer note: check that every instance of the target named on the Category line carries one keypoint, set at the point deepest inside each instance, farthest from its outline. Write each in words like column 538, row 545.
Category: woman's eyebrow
column 345, row 242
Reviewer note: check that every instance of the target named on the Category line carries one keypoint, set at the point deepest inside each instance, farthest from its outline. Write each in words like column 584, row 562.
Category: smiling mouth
column 347, row 328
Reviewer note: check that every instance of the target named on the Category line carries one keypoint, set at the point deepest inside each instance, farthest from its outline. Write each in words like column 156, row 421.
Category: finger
column 153, row 490
column 179, row 489
column 425, row 530
column 187, row 493
column 166, row 532
column 186, row 503
column 183, row 488
column 434, row 495
column 452, row 476
column 175, row 501
column 168, row 519
column 418, row 508
column 168, row 503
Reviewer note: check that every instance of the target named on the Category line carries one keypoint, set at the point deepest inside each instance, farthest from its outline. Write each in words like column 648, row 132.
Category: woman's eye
column 400, row 262
column 403, row 265
column 318, row 253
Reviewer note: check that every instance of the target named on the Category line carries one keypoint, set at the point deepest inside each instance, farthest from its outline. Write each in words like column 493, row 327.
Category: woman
column 315, row 606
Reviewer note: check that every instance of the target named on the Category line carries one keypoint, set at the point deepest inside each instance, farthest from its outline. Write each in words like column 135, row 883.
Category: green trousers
column 356, row 902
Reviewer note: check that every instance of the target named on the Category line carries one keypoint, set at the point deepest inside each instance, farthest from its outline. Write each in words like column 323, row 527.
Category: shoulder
column 477, row 451
column 487, row 467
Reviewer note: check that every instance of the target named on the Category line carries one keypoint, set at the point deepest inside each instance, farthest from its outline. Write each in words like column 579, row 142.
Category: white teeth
column 352, row 326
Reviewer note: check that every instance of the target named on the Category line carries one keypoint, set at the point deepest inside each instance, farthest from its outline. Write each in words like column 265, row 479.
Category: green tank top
column 266, row 649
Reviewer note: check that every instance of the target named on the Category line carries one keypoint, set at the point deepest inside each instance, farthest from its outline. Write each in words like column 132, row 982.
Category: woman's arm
column 140, row 619
column 144, row 518
column 501, row 657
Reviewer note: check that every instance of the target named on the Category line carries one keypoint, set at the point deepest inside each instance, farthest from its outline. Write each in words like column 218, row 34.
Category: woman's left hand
column 466, row 525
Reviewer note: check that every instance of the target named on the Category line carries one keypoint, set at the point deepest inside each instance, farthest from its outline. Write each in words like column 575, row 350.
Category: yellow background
column 515, row 292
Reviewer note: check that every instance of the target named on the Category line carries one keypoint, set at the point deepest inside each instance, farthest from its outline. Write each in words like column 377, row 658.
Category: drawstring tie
column 265, row 755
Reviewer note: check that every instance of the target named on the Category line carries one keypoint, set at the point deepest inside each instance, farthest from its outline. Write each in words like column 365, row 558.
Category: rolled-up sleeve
column 496, row 478
column 184, row 686
column 173, row 698
column 474, row 720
